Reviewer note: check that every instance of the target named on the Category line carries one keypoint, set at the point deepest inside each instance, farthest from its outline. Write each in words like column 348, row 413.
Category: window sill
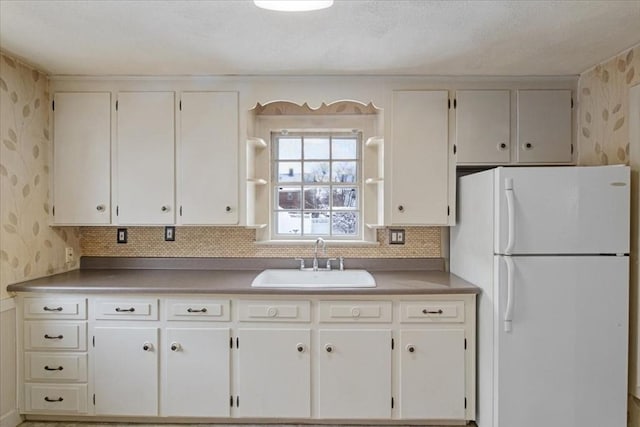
column 331, row 243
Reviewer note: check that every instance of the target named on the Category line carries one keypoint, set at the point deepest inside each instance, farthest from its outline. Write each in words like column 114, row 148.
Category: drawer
column 274, row 311
column 55, row 308
column 355, row 311
column 50, row 398
column 207, row 310
column 126, row 309
column 55, row 367
column 55, row 335
column 432, row 311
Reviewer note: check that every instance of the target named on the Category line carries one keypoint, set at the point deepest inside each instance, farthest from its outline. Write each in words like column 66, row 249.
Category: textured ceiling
column 352, row 37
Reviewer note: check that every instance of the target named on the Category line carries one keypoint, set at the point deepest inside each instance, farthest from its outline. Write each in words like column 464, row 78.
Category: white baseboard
column 10, row 419
column 7, row 304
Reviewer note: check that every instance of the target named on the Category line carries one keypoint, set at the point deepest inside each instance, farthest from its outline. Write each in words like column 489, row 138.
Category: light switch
column 122, row 235
column 396, row 236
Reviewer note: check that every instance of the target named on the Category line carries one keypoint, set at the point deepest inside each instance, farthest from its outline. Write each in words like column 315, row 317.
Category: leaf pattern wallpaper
column 603, row 94
column 29, row 248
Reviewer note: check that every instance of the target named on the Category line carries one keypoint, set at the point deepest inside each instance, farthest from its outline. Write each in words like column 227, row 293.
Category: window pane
column 289, row 198
column 344, row 148
column 344, row 172
column 345, row 223
column 345, row 197
column 289, row 171
column 316, row 223
column 289, row 223
column 316, row 148
column 289, row 148
column 316, row 172
column 316, row 198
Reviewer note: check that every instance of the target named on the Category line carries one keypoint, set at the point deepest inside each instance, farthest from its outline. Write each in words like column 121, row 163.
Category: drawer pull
column 45, row 308
column 425, row 311
column 53, row 400
column 49, row 337
column 191, row 310
column 125, row 310
column 47, row 368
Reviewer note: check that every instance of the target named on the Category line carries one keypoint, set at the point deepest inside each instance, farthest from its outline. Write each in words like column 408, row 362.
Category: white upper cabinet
column 483, row 126
column 419, row 158
column 145, row 158
column 544, row 126
column 208, row 167
column 82, row 158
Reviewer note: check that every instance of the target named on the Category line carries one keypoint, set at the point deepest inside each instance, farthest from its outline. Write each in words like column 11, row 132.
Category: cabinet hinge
column 572, row 102
column 94, row 341
column 180, row 105
column 231, row 343
column 572, row 149
column 117, row 210
column 448, row 103
column 116, row 105
column 237, row 342
column 94, row 399
column 53, row 105
column 180, row 210
column 465, row 343
column 392, row 344
column 53, row 211
column 465, row 403
column 392, row 403
column 455, row 103
column 448, row 210
column 455, row 149
column 237, row 401
column 231, row 401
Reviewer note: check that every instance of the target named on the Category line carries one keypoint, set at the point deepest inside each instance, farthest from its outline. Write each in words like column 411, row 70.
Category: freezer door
column 564, row 362
column 562, row 210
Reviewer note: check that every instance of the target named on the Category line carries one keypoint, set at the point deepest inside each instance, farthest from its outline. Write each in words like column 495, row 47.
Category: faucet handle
column 301, row 262
column 329, row 262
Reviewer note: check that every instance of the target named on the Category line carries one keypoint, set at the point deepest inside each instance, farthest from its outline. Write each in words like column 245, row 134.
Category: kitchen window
column 317, row 185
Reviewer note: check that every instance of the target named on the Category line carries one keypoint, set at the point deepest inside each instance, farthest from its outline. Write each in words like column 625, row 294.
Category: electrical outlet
column 68, row 255
column 122, row 235
column 169, row 234
column 396, row 236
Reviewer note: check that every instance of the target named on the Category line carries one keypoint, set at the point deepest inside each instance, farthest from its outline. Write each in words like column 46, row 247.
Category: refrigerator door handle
column 508, row 313
column 508, row 188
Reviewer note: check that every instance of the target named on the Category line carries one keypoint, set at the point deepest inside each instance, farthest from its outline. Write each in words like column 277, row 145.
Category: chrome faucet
column 319, row 241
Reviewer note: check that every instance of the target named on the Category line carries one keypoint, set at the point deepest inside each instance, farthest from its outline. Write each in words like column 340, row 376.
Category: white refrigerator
column 549, row 248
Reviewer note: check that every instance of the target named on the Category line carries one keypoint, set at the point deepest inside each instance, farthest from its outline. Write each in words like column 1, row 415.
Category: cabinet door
column 544, row 126
column 125, row 371
column 432, row 374
column 355, row 374
column 483, row 126
column 419, row 158
column 197, row 372
column 82, row 158
column 274, row 373
column 209, row 158
column 145, row 173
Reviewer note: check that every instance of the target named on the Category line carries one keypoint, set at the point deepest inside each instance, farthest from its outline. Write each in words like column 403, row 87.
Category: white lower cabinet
column 274, row 373
column 197, row 369
column 266, row 358
column 125, row 370
column 355, row 373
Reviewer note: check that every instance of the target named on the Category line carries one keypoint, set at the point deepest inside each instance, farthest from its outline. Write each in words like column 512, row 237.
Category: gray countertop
column 230, row 281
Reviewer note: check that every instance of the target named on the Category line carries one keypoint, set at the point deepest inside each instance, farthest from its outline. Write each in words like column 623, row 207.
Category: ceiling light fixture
column 293, row 5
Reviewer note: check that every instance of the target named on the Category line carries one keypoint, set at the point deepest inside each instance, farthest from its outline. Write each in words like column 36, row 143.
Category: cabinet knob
column 411, row 348
column 147, row 346
column 300, row 348
column 228, row 209
column 528, row 146
column 400, row 208
column 100, row 208
column 165, row 208
column 272, row 312
column 355, row 312
column 502, row 146
column 328, row 348
column 175, row 346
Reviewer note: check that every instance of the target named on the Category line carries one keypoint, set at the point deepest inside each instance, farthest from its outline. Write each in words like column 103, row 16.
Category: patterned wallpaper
column 603, row 96
column 28, row 247
column 421, row 242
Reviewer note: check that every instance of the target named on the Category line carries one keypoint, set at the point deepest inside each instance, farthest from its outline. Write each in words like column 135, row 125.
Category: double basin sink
column 285, row 278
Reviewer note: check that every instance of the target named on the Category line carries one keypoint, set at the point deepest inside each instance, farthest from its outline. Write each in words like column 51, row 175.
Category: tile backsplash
column 421, row 242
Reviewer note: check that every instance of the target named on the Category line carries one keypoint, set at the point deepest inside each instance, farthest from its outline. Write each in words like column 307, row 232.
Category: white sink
column 285, row 278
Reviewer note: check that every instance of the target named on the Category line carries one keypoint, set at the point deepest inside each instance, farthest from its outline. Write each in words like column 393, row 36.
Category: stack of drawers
column 55, row 355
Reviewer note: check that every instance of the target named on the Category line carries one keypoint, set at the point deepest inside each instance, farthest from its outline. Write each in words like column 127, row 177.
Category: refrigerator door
column 564, row 362
column 562, row 210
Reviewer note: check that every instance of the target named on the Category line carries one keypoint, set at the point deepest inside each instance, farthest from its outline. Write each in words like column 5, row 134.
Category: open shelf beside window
column 257, row 181
column 374, row 182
